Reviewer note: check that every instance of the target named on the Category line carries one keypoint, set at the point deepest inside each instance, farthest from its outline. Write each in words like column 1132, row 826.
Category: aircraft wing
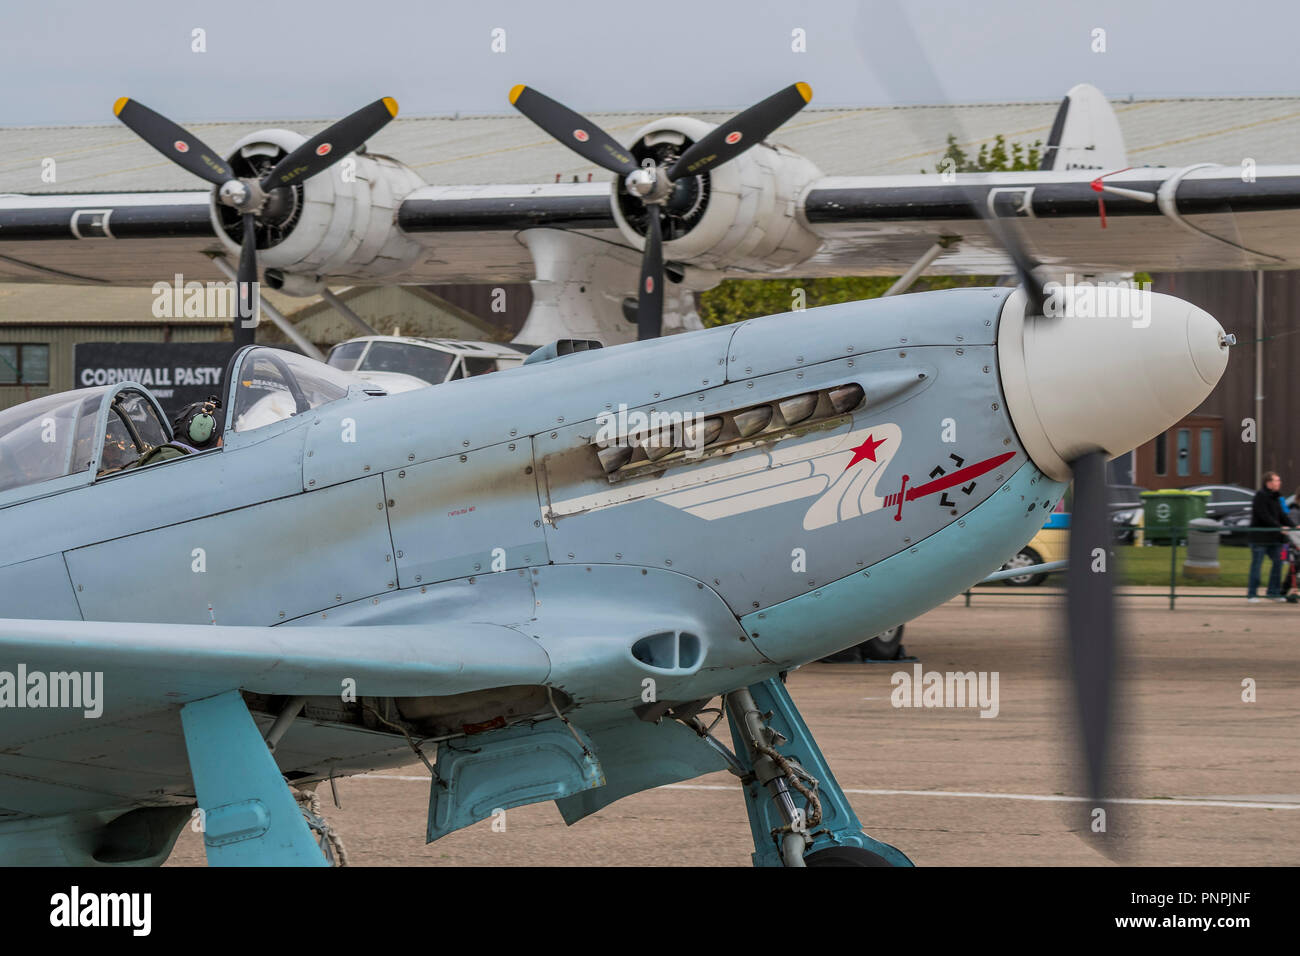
column 464, row 234
column 1150, row 218
column 120, row 741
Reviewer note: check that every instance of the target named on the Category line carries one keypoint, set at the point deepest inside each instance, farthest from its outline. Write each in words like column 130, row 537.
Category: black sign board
column 176, row 373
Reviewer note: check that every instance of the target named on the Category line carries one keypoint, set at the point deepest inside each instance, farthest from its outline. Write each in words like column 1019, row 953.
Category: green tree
column 737, row 299
column 994, row 158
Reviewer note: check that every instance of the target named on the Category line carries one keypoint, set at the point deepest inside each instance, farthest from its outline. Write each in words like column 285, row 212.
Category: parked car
column 1230, row 506
column 1125, row 503
column 1052, row 543
column 1124, row 496
column 1226, row 500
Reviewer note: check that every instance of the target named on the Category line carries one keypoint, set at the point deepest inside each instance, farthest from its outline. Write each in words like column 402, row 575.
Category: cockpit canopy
column 92, row 432
column 273, row 385
column 107, row 428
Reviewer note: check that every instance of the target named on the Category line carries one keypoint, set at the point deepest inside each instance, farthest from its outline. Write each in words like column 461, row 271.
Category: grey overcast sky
column 66, row 61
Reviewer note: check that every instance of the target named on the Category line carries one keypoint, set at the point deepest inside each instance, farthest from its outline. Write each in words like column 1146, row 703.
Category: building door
column 1190, row 453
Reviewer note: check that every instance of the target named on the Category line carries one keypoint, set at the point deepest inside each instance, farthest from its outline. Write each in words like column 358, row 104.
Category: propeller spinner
column 249, row 196
column 653, row 185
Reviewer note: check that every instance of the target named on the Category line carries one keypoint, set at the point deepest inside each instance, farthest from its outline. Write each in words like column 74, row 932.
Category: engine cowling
column 340, row 224
column 742, row 214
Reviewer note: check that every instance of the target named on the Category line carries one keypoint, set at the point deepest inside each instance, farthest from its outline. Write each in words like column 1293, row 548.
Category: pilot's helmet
column 198, row 424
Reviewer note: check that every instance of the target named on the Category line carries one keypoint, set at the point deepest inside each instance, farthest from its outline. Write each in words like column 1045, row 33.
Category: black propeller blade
column 652, row 184
column 650, row 296
column 742, row 131
column 245, row 279
column 1090, row 618
column 573, row 130
column 248, row 196
column 175, row 142
column 331, row 144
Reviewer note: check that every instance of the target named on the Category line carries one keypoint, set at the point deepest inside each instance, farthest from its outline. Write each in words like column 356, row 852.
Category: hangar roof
column 842, row 142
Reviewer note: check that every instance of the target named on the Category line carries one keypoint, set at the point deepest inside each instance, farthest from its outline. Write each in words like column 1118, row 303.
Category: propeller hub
column 243, row 195
column 234, row 193
column 641, row 182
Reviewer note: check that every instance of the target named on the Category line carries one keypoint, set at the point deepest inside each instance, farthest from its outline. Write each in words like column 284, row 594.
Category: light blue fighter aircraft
column 474, row 570
column 537, row 581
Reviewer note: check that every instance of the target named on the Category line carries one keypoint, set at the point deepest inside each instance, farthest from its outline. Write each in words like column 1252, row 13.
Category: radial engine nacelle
column 340, row 224
column 741, row 214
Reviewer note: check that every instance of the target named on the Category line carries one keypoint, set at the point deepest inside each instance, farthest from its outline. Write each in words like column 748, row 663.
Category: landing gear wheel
column 885, row 646
column 1025, row 558
column 845, row 856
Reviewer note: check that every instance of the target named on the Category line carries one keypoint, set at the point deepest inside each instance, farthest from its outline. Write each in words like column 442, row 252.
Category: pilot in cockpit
column 197, row 427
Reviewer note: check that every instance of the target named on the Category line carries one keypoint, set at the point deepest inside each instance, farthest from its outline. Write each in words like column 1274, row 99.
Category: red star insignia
column 867, row 450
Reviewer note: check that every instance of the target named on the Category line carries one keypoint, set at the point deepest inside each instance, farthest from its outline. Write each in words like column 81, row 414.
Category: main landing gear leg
column 798, row 814
column 249, row 816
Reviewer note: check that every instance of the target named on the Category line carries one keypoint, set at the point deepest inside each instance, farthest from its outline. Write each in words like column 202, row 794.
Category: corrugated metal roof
column 842, row 142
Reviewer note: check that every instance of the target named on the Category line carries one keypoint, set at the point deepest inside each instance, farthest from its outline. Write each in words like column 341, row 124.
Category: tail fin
column 1085, row 133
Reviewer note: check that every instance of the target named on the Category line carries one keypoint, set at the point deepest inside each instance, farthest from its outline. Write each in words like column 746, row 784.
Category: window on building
column 24, row 364
column 1162, row 453
column 1184, row 452
column 1207, row 451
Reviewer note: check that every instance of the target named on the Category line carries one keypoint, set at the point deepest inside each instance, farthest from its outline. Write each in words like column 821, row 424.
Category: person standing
column 1267, row 513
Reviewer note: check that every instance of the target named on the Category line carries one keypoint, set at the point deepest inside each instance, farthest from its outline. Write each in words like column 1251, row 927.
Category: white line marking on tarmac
column 1180, row 802
column 1185, row 802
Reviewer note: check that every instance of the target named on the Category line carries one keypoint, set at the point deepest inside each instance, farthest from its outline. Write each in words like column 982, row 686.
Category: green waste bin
column 1166, row 513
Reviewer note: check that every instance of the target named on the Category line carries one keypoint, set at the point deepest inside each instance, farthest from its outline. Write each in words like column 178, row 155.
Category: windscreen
column 273, row 385
column 48, row 438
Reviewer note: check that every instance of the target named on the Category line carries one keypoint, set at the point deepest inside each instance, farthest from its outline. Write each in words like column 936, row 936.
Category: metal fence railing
column 1174, row 592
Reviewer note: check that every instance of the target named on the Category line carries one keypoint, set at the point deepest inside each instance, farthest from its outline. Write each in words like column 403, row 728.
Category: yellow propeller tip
column 120, row 105
column 391, row 104
column 805, row 91
column 515, row 92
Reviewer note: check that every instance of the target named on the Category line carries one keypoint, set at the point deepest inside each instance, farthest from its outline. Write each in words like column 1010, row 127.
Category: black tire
column 885, row 646
column 1025, row 557
column 845, row 856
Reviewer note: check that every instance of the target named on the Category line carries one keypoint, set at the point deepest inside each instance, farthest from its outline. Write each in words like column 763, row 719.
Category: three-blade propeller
column 653, row 184
column 249, row 196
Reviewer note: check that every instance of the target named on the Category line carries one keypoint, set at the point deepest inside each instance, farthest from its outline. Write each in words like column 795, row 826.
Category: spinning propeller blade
column 1092, row 636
